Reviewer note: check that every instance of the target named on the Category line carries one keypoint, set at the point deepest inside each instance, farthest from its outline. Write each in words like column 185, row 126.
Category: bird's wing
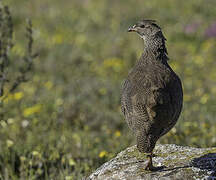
column 145, row 98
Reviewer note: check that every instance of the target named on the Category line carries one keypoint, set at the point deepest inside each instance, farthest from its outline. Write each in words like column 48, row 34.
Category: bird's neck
column 156, row 45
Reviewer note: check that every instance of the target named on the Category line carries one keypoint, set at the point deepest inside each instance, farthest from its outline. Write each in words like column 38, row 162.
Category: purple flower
column 191, row 28
column 211, row 31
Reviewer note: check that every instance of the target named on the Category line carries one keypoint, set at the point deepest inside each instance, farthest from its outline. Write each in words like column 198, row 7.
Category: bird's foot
column 153, row 168
column 149, row 166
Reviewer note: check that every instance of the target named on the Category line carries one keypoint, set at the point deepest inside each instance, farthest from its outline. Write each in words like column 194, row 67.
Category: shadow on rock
column 206, row 162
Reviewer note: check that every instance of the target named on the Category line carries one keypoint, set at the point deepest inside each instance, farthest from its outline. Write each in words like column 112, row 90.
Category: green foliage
column 67, row 121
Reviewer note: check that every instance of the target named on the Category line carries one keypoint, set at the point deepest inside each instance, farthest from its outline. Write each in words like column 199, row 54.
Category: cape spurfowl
column 152, row 93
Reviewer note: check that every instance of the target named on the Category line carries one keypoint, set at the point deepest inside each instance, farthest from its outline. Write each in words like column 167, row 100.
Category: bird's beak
column 132, row 29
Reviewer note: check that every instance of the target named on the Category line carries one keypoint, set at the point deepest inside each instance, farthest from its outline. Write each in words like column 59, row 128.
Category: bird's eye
column 142, row 26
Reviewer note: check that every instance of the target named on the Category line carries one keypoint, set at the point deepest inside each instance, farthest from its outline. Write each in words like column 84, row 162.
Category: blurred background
column 66, row 120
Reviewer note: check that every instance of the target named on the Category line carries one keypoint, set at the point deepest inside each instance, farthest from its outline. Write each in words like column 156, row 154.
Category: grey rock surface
column 176, row 162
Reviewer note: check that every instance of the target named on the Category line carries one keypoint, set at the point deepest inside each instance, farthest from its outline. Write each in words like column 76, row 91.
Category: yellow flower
column 9, row 143
column 59, row 102
column 3, row 123
column 18, row 49
column 32, row 110
column 22, row 158
column 173, row 130
column 69, row 178
column 103, row 91
column 10, row 121
column 35, row 153
column 115, row 63
column 18, row 95
column 48, row 85
column 72, row 162
column 57, row 39
column 204, row 99
column 102, row 154
column 117, row 133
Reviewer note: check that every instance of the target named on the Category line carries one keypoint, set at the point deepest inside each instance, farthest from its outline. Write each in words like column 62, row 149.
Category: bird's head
column 146, row 29
column 152, row 35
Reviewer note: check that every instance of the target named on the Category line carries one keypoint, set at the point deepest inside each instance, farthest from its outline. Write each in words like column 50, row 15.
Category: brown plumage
column 152, row 93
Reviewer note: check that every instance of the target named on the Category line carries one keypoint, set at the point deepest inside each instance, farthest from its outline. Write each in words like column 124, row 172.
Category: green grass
column 66, row 121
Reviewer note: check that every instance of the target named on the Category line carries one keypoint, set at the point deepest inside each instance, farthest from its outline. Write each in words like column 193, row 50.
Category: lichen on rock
column 176, row 162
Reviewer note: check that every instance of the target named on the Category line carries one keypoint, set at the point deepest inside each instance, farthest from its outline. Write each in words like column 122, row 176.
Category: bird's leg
column 149, row 165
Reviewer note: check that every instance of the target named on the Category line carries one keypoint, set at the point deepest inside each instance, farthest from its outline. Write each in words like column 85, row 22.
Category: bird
column 152, row 95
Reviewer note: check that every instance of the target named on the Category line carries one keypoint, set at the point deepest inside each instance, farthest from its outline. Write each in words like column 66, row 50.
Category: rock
column 180, row 163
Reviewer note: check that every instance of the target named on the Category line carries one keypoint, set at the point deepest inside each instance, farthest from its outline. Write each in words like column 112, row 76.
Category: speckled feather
column 151, row 97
